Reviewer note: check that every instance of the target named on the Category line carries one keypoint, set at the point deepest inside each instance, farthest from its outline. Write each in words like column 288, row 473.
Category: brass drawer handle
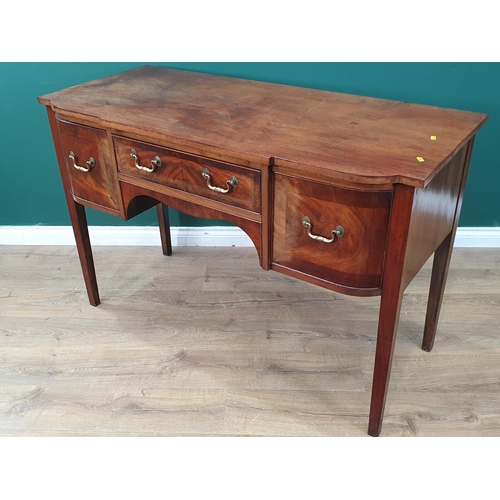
column 338, row 232
column 231, row 183
column 156, row 162
column 90, row 163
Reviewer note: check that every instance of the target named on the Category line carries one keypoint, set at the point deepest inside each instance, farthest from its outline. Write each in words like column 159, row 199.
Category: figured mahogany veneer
column 391, row 175
column 184, row 172
column 350, row 264
column 98, row 186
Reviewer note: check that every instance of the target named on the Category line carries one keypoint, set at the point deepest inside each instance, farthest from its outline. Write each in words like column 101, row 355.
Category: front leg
column 390, row 307
column 81, row 232
column 78, row 219
column 390, row 304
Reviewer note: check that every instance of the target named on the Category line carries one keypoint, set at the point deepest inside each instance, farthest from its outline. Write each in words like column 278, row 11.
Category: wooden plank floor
column 206, row 343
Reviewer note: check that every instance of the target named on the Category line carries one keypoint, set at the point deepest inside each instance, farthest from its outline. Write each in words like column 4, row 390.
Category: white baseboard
column 480, row 237
column 216, row 236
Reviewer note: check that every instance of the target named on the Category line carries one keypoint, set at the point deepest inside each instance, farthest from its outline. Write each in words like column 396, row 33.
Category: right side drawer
column 352, row 261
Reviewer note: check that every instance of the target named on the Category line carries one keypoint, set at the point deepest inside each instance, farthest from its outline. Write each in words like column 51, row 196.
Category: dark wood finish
column 95, row 186
column 137, row 206
column 433, row 215
column 78, row 219
column 183, row 172
column 391, row 173
column 370, row 141
column 352, row 262
column 252, row 228
column 439, row 274
column 266, row 197
column 188, row 197
column 164, row 225
column 80, row 229
column 390, row 303
column 441, row 264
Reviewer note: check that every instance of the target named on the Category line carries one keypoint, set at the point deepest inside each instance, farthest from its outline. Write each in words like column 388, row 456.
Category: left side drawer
column 88, row 160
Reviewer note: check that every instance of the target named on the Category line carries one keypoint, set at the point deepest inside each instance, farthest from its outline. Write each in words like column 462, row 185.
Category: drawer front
column 88, row 148
column 185, row 172
column 355, row 259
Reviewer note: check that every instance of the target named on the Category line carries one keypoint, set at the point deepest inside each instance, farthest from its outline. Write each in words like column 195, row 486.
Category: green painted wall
column 31, row 190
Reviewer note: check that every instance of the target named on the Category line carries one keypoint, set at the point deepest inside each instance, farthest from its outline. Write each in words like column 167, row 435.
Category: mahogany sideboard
column 349, row 193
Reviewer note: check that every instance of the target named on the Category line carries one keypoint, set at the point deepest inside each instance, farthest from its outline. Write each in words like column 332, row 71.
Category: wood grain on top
column 349, row 137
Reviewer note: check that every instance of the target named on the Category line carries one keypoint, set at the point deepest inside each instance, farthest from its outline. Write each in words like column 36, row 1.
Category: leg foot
column 80, row 229
column 164, row 224
column 390, row 307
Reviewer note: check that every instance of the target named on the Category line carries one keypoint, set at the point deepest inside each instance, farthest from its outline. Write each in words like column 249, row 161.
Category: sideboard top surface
column 353, row 138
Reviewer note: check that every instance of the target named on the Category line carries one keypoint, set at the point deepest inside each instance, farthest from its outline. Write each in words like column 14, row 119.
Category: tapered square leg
column 390, row 307
column 81, row 232
column 390, row 303
column 78, row 219
column 164, row 225
column 440, row 267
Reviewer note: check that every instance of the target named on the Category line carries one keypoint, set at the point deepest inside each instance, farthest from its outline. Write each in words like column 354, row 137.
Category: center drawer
column 224, row 182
